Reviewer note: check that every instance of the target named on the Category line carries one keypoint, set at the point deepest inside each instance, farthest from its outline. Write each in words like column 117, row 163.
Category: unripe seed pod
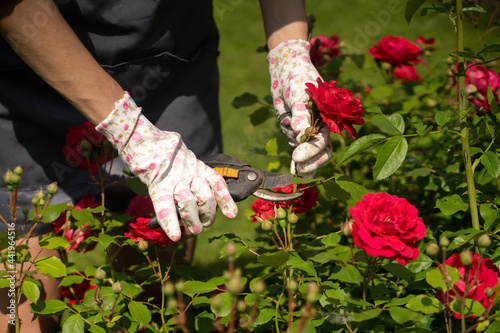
column 117, row 287
column 444, row 242
column 7, row 177
column 259, row 287
column 293, row 218
column 266, row 225
column 241, row 306
column 52, row 189
column 484, row 241
column 143, row 245
column 292, row 285
column 231, row 249
column 99, row 274
column 18, row 170
column 347, row 229
column 280, row 213
column 432, row 249
column 466, row 258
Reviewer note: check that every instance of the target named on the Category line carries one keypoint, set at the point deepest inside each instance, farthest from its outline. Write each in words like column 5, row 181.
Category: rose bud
column 266, row 225
column 444, row 242
column 99, row 274
column 432, row 249
column 117, row 287
column 489, row 291
column 180, row 286
column 26, row 211
column 52, row 189
column 280, row 213
column 312, row 292
column 259, row 287
column 347, row 229
column 18, row 170
column 172, row 303
column 293, row 218
column 143, row 245
column 484, row 241
column 234, row 285
column 241, row 307
column 283, row 224
column 466, row 258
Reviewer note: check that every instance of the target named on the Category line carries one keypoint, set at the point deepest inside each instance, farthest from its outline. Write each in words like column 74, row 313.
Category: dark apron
column 163, row 52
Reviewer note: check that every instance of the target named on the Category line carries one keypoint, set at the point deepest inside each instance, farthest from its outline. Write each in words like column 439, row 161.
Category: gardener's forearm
column 283, row 20
column 54, row 52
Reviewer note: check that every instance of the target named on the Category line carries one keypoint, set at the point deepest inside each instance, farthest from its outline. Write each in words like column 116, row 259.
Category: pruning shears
column 242, row 181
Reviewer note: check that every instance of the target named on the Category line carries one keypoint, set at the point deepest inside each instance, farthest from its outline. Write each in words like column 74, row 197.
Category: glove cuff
column 287, row 48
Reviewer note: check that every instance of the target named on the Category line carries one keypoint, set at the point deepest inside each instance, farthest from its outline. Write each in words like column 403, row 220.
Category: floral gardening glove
column 172, row 172
column 290, row 68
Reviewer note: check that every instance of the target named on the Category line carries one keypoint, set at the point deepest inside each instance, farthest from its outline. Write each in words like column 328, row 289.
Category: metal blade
column 276, row 196
column 275, row 180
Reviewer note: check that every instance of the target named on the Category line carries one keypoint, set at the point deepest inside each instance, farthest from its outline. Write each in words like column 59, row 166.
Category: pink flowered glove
column 173, row 174
column 290, row 68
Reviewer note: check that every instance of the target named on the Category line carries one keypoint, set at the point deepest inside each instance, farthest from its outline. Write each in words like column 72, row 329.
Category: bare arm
column 283, row 20
column 36, row 30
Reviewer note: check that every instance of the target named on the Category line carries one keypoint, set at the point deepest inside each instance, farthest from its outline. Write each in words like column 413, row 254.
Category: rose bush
column 324, row 49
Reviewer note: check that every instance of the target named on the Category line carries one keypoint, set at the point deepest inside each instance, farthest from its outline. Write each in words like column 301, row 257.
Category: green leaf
column 358, row 59
column 451, row 204
column 366, row 315
column 442, row 117
column 51, row 266
column 436, row 280
column 335, row 191
column 411, row 8
column 222, row 304
column 52, row 212
column 246, row 99
column 347, row 273
column 198, row 287
column 331, row 239
column 473, row 8
column 420, row 264
column 402, row 315
column 139, row 312
column 71, row 279
column 390, row 157
column 53, row 242
column 30, row 290
column 74, row 324
column 462, row 237
column 97, row 329
column 356, row 190
column 422, row 129
column 272, row 147
column 490, row 49
column 400, row 272
column 296, row 262
column 425, row 304
column 374, row 109
column 381, row 92
column 466, row 54
column 393, row 125
column 48, row 307
column 472, row 307
column 105, row 240
column 361, row 144
column 137, row 186
column 399, row 301
column 130, row 289
column 490, row 161
column 274, row 259
column 489, row 215
column 260, row 115
column 494, row 327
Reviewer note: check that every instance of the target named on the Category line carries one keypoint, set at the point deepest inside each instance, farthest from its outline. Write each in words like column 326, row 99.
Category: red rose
column 482, row 274
column 387, row 226
column 337, row 107
column 396, row 50
column 77, row 291
column 423, row 40
column 406, row 73
column 323, row 49
column 76, row 235
column 265, row 209
column 479, row 77
column 140, row 207
column 97, row 152
column 138, row 230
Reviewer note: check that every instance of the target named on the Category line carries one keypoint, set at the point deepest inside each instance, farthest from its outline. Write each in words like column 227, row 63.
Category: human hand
column 177, row 181
column 290, row 68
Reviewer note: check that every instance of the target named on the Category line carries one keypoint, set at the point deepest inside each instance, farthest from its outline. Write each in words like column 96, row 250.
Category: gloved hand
column 290, row 68
column 172, row 172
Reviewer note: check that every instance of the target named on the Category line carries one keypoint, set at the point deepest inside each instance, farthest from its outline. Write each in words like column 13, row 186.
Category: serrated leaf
column 390, row 157
column 490, row 161
column 296, row 262
column 105, row 240
column 356, row 190
column 425, row 304
column 347, row 273
column 435, row 277
column 52, row 212
column 30, row 290
column 462, row 237
column 411, row 8
column 274, row 259
column 422, row 129
column 198, row 287
column 51, row 266
column 130, row 289
column 335, row 191
column 451, row 204
column 402, row 315
column 393, row 125
column 331, row 239
column 260, row 115
column 53, row 242
column 442, row 117
column 139, row 312
column 361, row 144
column 246, row 99
column 472, row 307
column 74, row 324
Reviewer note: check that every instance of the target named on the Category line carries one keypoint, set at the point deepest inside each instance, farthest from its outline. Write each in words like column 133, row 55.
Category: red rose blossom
column 99, row 151
column 323, row 49
column 482, row 274
column 76, row 235
column 396, row 50
column 423, row 40
column 337, row 107
column 139, row 230
column 387, row 226
column 79, row 290
column 479, row 77
column 140, row 207
column 406, row 73
column 265, row 209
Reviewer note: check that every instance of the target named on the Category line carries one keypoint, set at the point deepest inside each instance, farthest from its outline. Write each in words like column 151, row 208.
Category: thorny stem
column 462, row 107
